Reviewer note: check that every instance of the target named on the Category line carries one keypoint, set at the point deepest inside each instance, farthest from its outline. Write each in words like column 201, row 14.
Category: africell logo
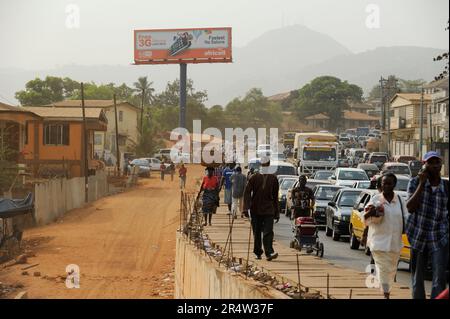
column 209, row 146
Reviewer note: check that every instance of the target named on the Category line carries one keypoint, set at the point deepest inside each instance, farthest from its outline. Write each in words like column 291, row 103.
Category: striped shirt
column 428, row 226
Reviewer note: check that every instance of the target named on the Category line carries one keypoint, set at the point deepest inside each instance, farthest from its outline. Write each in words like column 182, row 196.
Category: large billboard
column 203, row 45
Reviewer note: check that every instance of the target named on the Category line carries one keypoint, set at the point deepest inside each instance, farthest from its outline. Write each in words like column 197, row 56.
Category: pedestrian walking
column 302, row 199
column 385, row 214
column 226, row 180
column 261, row 204
column 171, row 170
column 238, row 182
column 210, row 198
column 162, row 169
column 427, row 226
column 182, row 172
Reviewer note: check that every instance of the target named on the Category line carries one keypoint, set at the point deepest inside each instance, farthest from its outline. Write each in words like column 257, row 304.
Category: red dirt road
column 124, row 246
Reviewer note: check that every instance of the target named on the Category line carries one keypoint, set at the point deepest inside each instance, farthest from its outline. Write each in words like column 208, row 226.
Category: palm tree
column 145, row 88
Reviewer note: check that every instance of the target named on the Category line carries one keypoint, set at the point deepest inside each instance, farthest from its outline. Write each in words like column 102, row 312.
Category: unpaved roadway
column 124, row 246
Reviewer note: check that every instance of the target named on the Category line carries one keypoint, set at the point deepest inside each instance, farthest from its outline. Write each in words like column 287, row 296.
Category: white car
column 344, row 176
column 154, row 163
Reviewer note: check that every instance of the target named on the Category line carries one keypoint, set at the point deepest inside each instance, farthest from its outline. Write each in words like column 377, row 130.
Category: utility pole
column 421, row 124
column 430, row 123
column 388, row 89
column 383, row 127
column 117, row 138
column 85, row 147
column 142, row 112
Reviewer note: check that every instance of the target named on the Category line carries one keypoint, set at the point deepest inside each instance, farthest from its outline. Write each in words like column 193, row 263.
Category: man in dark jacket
column 261, row 198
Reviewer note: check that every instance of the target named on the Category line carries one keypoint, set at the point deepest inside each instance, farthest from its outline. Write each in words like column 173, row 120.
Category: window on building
column 98, row 139
column 120, row 116
column 56, row 134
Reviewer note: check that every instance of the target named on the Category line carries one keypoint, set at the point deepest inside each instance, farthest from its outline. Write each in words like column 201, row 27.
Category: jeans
column 264, row 225
column 439, row 263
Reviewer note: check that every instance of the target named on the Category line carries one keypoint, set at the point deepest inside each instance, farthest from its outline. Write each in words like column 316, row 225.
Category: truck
column 315, row 151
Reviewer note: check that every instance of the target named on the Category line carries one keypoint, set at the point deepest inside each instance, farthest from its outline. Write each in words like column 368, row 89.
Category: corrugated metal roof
column 412, row 96
column 66, row 112
column 319, row 116
column 351, row 115
column 90, row 103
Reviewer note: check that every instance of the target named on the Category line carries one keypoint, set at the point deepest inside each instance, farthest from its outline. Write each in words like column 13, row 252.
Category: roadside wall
column 196, row 277
column 57, row 196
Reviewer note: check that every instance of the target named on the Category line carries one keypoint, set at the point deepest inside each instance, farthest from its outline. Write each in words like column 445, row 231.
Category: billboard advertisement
column 202, row 45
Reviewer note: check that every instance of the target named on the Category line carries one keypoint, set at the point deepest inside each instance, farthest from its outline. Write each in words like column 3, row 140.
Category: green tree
column 145, row 90
column 42, row 92
column 253, row 110
column 443, row 57
column 329, row 95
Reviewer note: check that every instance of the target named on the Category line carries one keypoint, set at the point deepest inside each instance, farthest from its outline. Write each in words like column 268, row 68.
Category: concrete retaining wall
column 56, row 197
column 197, row 277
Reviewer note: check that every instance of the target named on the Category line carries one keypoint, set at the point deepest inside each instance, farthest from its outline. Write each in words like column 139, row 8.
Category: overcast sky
column 34, row 33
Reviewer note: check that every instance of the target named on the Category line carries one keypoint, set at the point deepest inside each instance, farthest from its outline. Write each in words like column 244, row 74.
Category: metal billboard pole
column 183, row 80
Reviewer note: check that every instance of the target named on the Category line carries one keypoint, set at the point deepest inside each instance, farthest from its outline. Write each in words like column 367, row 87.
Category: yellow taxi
column 357, row 225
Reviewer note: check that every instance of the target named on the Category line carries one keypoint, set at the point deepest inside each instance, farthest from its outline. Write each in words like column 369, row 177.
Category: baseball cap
column 429, row 155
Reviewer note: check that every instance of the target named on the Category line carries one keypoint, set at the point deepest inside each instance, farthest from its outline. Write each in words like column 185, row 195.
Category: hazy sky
column 34, row 34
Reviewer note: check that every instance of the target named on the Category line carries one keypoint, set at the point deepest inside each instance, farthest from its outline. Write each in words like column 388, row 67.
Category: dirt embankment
column 124, row 246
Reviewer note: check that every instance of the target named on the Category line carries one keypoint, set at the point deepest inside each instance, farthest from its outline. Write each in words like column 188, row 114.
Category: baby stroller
column 306, row 234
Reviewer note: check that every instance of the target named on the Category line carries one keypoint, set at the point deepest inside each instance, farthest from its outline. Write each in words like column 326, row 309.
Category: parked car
column 414, row 167
column 396, row 168
column 285, row 185
column 338, row 212
column 356, row 227
column 143, row 164
column 370, row 169
column 347, row 176
column 154, row 163
column 378, row 159
column 323, row 194
column 321, row 175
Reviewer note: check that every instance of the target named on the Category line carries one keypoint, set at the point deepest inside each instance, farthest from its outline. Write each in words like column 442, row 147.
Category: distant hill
column 278, row 61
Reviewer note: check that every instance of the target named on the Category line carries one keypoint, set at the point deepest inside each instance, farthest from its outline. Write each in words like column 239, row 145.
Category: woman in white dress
column 385, row 214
